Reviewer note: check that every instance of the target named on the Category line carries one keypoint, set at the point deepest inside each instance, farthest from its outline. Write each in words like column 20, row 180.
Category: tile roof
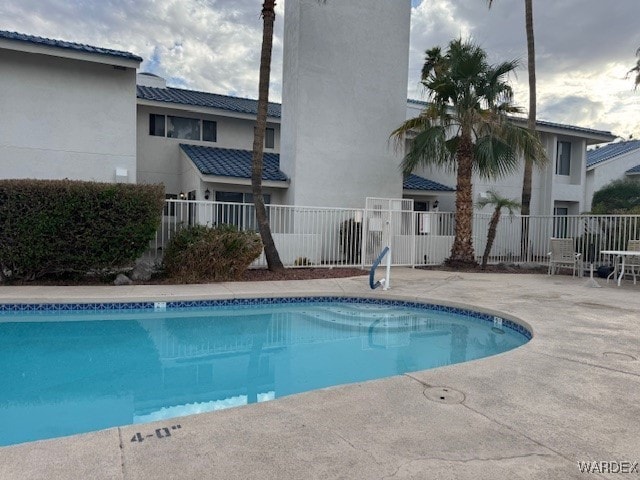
column 414, row 182
column 593, row 131
column 204, row 99
column 540, row 123
column 225, row 162
column 633, row 171
column 79, row 47
column 607, row 152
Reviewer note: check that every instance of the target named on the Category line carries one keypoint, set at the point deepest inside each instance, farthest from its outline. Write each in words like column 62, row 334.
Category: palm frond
column 429, row 147
column 494, row 158
column 636, row 70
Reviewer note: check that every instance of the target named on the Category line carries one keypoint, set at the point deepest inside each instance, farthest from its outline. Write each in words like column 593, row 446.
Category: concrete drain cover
column 444, row 395
column 620, row 356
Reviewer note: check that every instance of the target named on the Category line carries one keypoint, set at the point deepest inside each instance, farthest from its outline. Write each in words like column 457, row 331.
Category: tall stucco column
column 344, row 92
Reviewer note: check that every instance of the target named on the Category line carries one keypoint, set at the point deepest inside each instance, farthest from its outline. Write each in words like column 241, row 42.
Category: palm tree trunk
column 462, row 254
column 271, row 253
column 531, row 124
column 491, row 236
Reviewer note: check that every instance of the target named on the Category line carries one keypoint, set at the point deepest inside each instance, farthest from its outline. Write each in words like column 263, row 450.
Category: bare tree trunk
column 531, row 125
column 491, row 236
column 271, row 253
column 462, row 253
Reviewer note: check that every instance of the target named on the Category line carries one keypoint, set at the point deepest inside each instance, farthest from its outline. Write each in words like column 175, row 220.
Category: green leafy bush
column 61, row 227
column 203, row 254
column 618, row 197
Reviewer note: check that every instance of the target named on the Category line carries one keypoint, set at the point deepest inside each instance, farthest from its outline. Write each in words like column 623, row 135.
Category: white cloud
column 584, row 47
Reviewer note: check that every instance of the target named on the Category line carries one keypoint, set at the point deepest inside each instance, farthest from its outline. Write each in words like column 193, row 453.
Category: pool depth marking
column 162, row 432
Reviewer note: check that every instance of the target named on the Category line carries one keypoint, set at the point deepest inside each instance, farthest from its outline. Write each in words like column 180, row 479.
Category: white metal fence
column 342, row 237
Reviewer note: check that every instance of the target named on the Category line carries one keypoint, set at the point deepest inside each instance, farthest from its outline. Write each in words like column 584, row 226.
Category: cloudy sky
column 584, row 47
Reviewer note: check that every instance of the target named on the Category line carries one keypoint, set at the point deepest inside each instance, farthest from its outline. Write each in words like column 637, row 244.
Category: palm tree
column 498, row 202
column 531, row 119
column 636, row 69
column 466, row 127
column 271, row 252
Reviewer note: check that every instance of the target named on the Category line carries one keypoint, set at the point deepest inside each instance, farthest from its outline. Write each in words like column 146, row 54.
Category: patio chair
column 563, row 255
column 632, row 264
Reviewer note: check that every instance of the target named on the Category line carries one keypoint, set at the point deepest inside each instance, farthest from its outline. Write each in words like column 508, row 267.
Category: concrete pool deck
column 571, row 394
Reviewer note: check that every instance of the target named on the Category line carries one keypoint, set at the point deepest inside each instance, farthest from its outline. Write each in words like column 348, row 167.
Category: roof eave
column 407, row 191
column 592, row 137
column 202, row 109
column 242, row 181
column 53, row 51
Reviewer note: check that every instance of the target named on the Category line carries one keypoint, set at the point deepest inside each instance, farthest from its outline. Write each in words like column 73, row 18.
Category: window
column 270, row 138
column 182, row 127
column 242, row 216
column 209, row 131
column 232, row 197
column 170, row 207
column 560, row 222
column 563, row 159
column 156, row 125
column 185, row 128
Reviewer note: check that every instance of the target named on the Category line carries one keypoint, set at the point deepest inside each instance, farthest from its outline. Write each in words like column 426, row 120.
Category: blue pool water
column 66, row 372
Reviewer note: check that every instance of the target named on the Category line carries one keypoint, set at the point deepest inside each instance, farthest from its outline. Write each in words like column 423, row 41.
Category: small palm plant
column 498, row 203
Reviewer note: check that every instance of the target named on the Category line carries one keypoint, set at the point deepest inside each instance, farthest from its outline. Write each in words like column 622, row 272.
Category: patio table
column 623, row 254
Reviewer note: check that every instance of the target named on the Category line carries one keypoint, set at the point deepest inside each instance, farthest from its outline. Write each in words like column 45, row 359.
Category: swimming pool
column 72, row 368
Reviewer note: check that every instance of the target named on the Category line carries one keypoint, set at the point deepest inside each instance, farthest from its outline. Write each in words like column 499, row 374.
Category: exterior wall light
column 182, row 196
column 207, row 194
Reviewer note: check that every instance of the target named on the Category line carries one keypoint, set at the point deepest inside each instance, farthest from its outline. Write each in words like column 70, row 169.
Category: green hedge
column 619, row 197
column 203, row 254
column 57, row 227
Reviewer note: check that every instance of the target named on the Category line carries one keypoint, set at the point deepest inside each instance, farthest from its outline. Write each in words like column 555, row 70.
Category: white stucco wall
column 66, row 118
column 344, row 91
column 159, row 158
column 605, row 172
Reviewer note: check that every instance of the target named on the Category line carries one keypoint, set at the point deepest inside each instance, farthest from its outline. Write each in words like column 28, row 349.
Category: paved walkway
column 571, row 394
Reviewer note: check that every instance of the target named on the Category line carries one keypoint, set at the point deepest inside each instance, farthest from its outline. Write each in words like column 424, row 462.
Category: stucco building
column 79, row 112
column 68, row 110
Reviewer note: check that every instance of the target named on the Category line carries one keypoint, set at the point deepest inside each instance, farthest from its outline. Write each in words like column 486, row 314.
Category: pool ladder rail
column 384, row 282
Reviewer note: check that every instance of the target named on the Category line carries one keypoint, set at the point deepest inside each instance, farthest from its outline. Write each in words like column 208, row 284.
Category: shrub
column 61, row 227
column 302, row 262
column 203, row 254
column 618, row 197
column 350, row 240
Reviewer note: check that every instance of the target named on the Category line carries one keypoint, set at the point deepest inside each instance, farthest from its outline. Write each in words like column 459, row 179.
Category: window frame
column 272, row 143
column 215, row 130
column 563, row 159
column 153, row 117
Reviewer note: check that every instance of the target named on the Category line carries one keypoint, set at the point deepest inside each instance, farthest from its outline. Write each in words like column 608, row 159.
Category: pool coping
column 531, row 410
column 493, row 317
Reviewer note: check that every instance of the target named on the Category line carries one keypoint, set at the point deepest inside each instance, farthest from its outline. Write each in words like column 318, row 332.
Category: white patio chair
column 632, row 264
column 563, row 255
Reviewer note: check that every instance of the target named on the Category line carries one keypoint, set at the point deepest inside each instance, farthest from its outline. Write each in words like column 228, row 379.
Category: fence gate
column 388, row 221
